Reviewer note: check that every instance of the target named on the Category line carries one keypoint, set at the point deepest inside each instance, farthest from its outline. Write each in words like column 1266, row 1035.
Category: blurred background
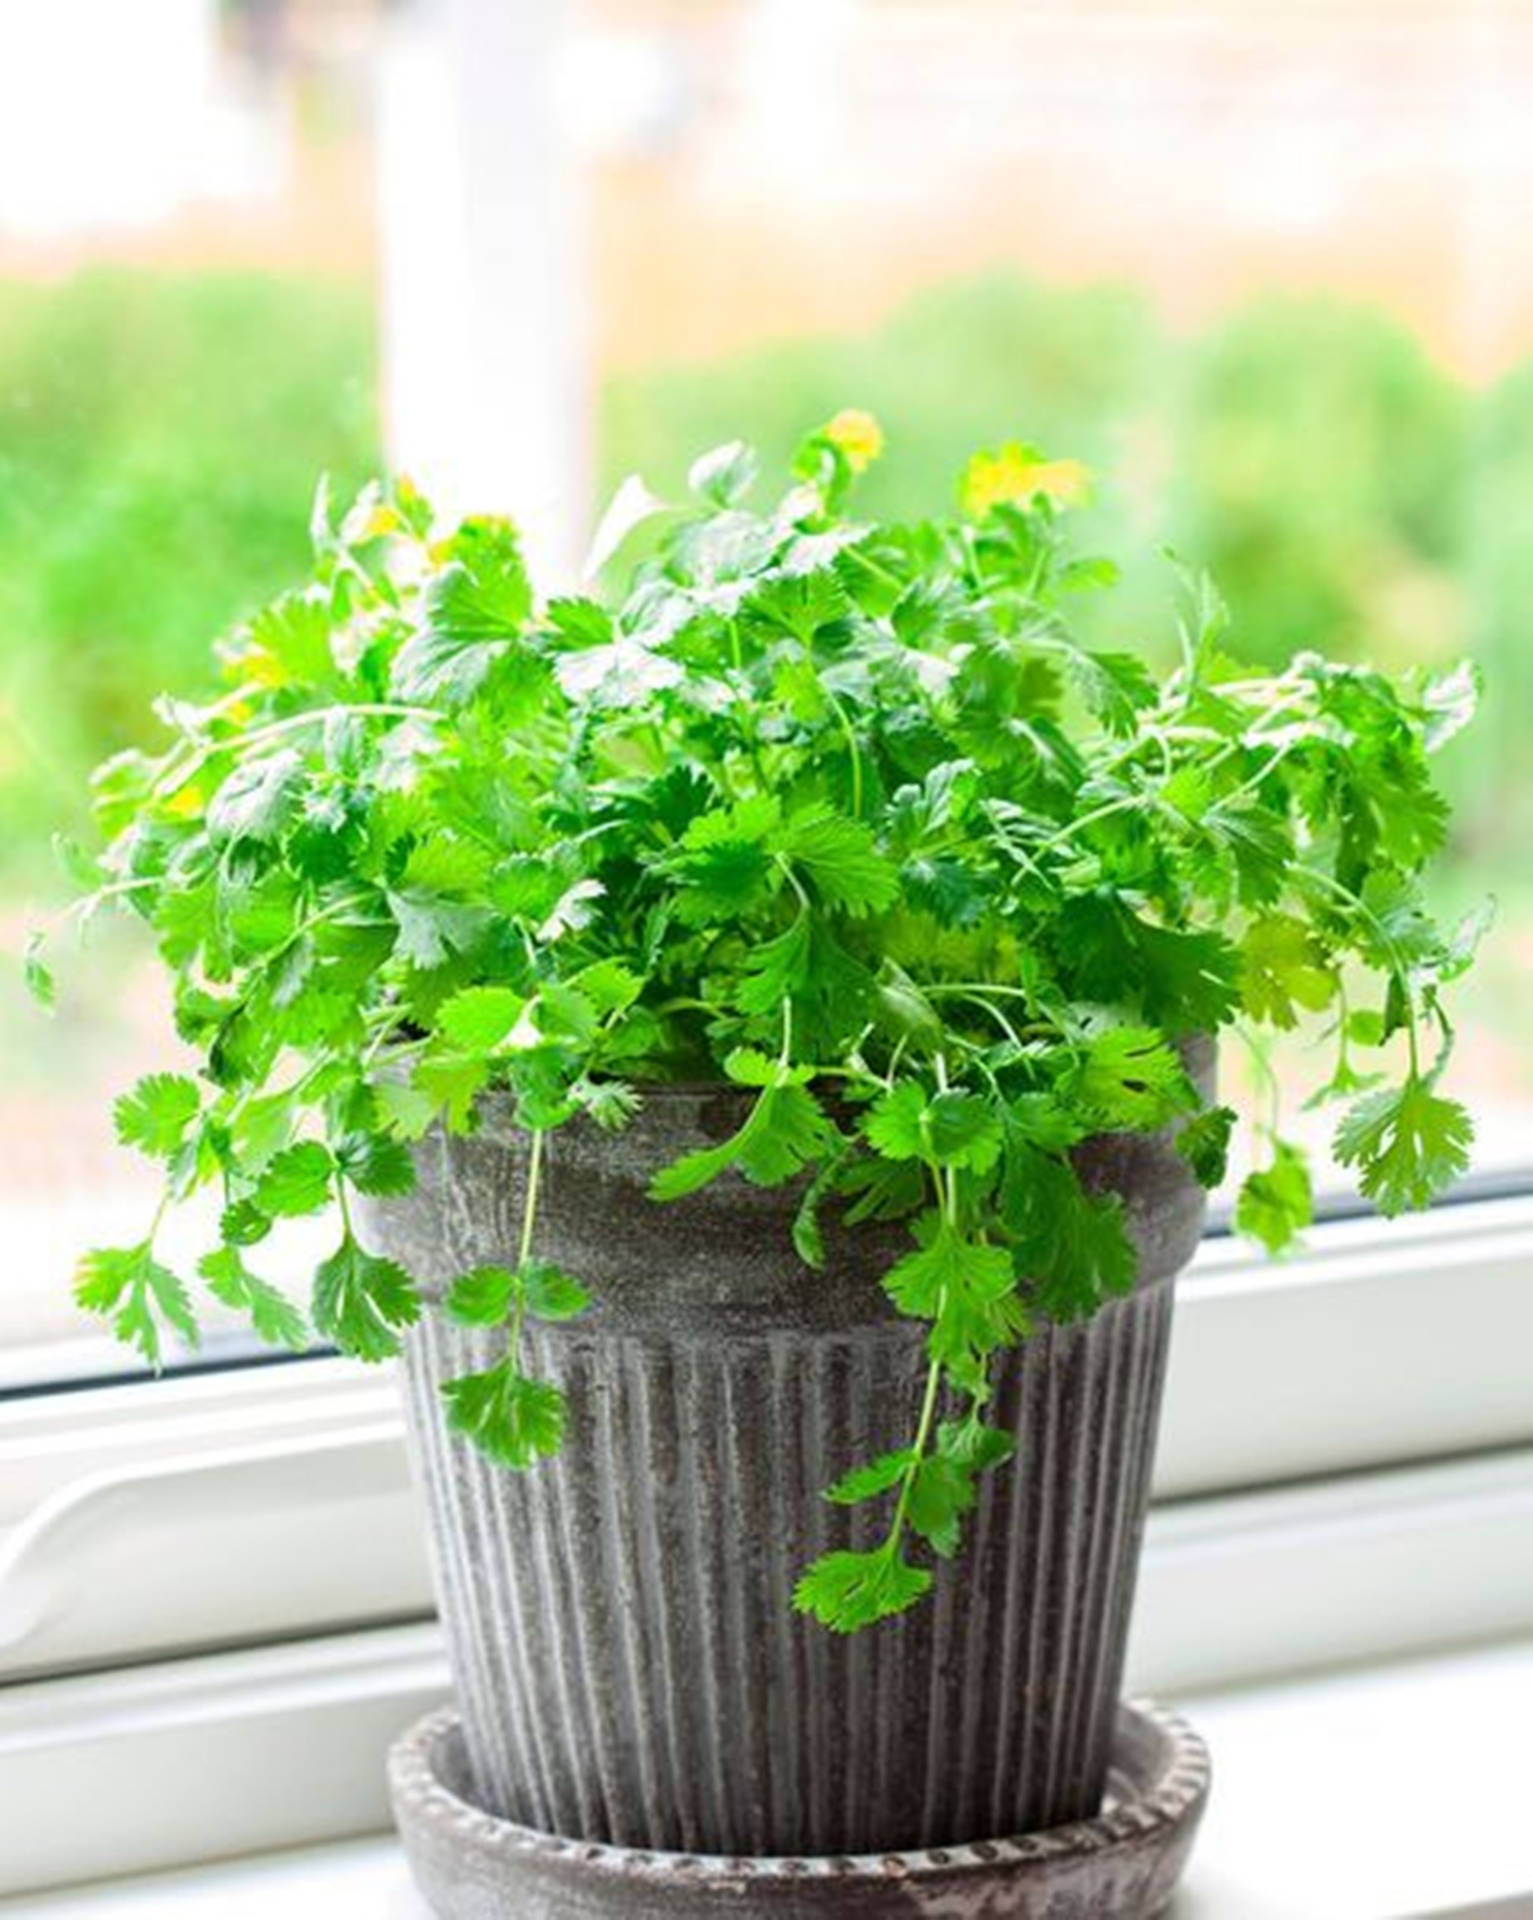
column 1265, row 266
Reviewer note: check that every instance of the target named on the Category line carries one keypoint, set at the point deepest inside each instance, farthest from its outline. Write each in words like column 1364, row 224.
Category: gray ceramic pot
column 627, row 1665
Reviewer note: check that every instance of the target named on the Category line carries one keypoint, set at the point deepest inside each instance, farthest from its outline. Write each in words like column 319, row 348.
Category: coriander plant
column 840, row 812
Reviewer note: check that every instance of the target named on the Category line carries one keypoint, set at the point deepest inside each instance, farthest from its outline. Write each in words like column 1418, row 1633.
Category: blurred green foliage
column 1347, row 492
column 160, row 436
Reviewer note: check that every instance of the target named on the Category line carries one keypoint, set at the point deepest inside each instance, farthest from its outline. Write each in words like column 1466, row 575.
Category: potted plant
column 755, row 1023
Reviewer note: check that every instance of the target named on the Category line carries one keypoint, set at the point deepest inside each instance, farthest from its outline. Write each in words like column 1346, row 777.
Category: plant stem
column 164, row 787
column 524, row 1246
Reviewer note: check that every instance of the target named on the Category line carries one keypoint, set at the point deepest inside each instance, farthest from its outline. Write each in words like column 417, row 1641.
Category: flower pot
column 628, row 1667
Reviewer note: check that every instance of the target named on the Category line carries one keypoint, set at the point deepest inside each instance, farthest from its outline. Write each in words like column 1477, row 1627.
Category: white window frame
column 224, row 1576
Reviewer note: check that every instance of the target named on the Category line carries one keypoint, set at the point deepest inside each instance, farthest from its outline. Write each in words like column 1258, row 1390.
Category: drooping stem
column 524, row 1245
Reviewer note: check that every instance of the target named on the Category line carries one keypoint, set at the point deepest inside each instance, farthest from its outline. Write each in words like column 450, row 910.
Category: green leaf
column 363, row 1302
column 846, row 1591
column 552, row 1294
column 479, row 1019
column 784, row 1131
column 963, row 1131
column 775, row 970
column 475, row 611
column 452, row 1083
column 1073, row 1246
column 1114, row 686
column 1129, row 1078
column 143, row 1297
column 276, row 1320
column 258, row 799
column 725, row 475
column 36, row 972
column 376, row 1164
column 1284, row 968
column 512, row 1420
column 432, row 928
column 483, row 1297
column 1204, row 1143
column 878, row 1476
column 840, row 859
column 948, row 1129
column 966, row 1289
column 942, row 1491
column 974, row 1445
column 406, row 1111
column 155, row 1115
column 242, row 1224
column 1277, row 1203
column 297, row 1180
column 723, row 860
column 894, row 1124
column 1408, row 1144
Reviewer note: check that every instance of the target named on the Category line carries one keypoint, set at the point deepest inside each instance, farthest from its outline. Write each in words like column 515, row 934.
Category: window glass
column 1260, row 265
column 188, row 336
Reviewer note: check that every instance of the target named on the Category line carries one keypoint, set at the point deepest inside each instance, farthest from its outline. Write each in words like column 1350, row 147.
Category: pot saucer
column 1123, row 1865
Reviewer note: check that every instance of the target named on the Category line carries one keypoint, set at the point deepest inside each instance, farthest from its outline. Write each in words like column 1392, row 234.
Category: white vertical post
column 485, row 361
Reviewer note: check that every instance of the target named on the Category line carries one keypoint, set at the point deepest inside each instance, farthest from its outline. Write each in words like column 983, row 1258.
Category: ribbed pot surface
column 628, row 1666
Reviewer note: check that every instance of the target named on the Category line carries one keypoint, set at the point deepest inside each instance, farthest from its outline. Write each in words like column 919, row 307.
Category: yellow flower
column 1014, row 475
column 856, row 436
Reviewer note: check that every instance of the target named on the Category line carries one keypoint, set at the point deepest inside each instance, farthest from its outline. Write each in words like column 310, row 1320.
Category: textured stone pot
column 627, row 1665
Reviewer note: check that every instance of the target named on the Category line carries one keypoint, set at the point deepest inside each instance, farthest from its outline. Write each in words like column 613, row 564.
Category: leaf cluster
column 843, row 812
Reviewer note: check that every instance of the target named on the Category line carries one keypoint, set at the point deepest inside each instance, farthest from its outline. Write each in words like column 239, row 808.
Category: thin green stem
column 165, row 786
column 849, row 734
column 524, row 1246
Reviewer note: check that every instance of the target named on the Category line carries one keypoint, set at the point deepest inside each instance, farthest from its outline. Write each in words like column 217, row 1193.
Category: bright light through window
column 1263, row 267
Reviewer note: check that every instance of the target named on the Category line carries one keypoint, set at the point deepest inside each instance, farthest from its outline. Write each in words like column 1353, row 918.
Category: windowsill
column 1380, row 1793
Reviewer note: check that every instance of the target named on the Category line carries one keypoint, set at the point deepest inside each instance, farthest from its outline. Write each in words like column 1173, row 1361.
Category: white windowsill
column 1384, row 1793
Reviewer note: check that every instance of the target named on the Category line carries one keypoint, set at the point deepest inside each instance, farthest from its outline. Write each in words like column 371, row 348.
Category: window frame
column 235, row 1508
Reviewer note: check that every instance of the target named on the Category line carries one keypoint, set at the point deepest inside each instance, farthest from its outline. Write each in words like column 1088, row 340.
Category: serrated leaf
column 551, row 1293
column 258, row 799
column 143, row 1297
column 775, row 969
column 1283, row 969
column 407, row 1111
column 512, row 1420
column 432, row 928
column 363, row 1302
column 479, row 1019
column 376, row 1165
column 297, row 1180
column 1408, row 1144
column 155, row 1115
column 847, row 1591
column 275, row 1319
column 1130, row 1078
column 942, row 1491
column 878, row 1476
column 894, row 1123
column 1276, row 1203
column 784, row 1131
column 1204, row 1143
column 840, row 858
column 483, row 1297
column 476, row 608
